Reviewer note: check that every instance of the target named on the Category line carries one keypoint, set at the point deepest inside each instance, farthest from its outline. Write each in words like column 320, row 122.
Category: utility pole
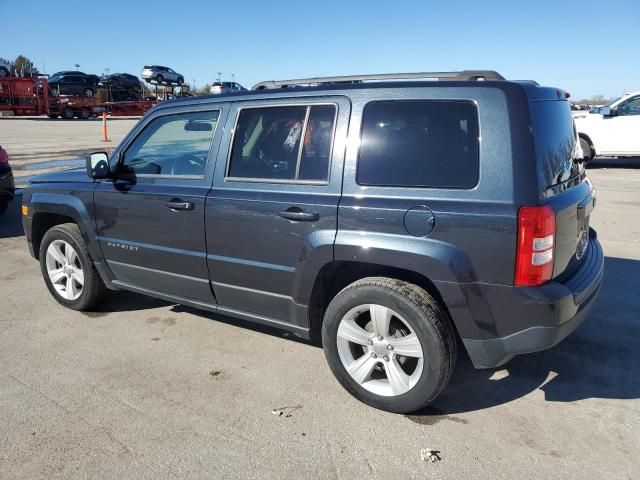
column 219, row 75
column 233, row 77
column 106, row 71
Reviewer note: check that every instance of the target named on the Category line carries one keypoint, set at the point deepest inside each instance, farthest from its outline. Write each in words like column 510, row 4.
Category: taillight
column 535, row 247
column 4, row 156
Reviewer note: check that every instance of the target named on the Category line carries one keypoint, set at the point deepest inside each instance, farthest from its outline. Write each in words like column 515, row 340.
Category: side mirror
column 98, row 165
column 606, row 112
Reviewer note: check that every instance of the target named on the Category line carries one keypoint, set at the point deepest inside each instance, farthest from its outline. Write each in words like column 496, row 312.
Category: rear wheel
column 389, row 343
column 84, row 114
column 68, row 270
column 587, row 151
column 180, row 80
column 88, row 92
column 160, row 79
column 68, row 114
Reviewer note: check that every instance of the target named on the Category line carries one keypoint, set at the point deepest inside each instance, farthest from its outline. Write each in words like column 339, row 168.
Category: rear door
column 150, row 220
column 563, row 182
column 271, row 214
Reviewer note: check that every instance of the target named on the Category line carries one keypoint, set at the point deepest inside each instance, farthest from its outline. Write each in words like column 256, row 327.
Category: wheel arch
column 50, row 209
column 589, row 141
column 336, row 275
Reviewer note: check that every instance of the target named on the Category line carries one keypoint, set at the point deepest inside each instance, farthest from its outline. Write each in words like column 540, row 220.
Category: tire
column 159, row 79
column 88, row 92
column 84, row 114
column 68, row 114
column 586, row 150
column 92, row 289
column 53, row 116
column 4, row 203
column 180, row 80
column 414, row 315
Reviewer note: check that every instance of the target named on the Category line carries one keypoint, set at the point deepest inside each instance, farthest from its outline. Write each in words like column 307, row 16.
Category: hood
column 76, row 175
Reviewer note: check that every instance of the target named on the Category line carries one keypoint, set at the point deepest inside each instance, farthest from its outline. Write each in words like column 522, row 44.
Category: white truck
column 612, row 130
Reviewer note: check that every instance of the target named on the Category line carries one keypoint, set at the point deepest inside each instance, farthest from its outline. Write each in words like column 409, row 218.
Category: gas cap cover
column 419, row 221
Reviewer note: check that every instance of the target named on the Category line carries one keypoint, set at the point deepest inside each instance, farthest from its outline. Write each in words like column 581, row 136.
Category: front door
column 272, row 212
column 150, row 219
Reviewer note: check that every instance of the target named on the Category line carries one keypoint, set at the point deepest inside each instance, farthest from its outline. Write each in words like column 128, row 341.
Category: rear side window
column 555, row 142
column 283, row 143
column 425, row 143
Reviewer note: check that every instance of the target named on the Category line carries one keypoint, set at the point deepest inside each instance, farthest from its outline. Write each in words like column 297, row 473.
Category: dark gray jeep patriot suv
column 393, row 216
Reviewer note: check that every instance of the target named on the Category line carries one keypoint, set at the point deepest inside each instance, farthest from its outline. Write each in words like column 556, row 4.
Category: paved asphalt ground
column 146, row 389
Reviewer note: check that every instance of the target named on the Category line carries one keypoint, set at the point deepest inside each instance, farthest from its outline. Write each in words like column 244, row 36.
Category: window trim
column 164, row 175
column 307, row 106
column 419, row 100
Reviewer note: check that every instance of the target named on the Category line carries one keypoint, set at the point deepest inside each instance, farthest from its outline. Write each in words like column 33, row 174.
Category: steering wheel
column 189, row 164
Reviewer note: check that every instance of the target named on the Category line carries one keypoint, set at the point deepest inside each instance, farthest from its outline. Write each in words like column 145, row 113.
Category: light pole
column 77, row 66
column 219, row 75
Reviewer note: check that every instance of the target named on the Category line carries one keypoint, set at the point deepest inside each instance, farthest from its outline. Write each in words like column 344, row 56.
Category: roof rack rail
column 464, row 75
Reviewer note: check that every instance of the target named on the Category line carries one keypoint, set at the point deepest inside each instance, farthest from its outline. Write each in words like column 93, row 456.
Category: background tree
column 22, row 66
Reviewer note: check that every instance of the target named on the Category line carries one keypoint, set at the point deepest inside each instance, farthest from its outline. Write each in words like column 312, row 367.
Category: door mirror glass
column 605, row 111
column 98, row 165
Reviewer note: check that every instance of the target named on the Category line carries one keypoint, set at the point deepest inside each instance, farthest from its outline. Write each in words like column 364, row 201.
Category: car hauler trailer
column 33, row 97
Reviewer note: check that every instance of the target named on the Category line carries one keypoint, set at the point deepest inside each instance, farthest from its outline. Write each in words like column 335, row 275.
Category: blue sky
column 585, row 47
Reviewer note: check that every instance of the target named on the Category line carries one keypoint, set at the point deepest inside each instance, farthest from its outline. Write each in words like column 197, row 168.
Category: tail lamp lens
column 536, row 244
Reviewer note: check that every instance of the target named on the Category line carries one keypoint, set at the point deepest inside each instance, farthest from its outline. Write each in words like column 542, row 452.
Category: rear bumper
column 551, row 311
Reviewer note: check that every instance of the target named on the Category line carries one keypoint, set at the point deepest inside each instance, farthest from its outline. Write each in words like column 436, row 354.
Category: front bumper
column 555, row 310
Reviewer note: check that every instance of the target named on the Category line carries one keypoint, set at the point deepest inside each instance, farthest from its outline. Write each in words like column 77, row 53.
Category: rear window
column 555, row 142
column 427, row 143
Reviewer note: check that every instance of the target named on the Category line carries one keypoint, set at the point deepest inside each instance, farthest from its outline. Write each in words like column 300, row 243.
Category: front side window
column 422, row 143
column 630, row 107
column 283, row 143
column 174, row 145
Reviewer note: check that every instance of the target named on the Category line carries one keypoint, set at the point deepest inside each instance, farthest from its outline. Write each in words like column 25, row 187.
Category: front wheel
column 88, row 92
column 180, row 80
column 389, row 343
column 68, row 270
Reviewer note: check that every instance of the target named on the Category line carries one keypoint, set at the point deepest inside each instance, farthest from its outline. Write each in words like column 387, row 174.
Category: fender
column 442, row 263
column 78, row 207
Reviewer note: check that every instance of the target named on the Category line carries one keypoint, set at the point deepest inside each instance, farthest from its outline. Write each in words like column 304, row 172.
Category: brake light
column 536, row 245
column 4, row 156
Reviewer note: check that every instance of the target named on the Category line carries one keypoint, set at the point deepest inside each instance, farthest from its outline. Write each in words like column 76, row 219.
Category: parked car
column 611, row 130
column 74, row 84
column 7, row 183
column 161, row 74
column 369, row 213
column 121, row 80
column 76, row 72
column 122, row 87
column 226, row 87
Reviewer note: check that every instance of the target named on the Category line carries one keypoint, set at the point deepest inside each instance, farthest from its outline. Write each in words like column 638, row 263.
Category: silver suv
column 161, row 74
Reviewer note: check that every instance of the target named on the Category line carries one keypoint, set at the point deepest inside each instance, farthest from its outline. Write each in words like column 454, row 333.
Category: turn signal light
column 25, row 210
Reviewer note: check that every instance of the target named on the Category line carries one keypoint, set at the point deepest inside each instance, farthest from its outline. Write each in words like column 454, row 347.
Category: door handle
column 179, row 205
column 298, row 215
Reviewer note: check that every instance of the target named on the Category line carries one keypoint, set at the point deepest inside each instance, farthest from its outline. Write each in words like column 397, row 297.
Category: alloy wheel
column 380, row 350
column 64, row 270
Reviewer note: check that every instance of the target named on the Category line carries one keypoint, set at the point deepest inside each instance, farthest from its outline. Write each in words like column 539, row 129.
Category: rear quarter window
column 424, row 143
